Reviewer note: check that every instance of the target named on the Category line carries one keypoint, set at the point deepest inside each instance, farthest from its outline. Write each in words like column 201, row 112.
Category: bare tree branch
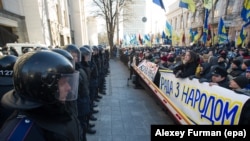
column 109, row 10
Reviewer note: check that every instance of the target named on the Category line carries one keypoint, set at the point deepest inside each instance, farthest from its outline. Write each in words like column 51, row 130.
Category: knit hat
column 237, row 62
column 247, row 63
column 220, row 71
column 242, row 81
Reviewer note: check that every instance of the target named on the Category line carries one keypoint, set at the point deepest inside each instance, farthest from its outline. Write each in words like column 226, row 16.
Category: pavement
column 125, row 113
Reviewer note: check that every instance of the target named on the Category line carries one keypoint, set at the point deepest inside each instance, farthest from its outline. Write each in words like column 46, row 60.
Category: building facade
column 92, row 30
column 182, row 20
column 54, row 23
column 78, row 22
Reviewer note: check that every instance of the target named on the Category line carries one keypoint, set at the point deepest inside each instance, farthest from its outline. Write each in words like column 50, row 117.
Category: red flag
column 183, row 38
column 209, row 34
column 140, row 39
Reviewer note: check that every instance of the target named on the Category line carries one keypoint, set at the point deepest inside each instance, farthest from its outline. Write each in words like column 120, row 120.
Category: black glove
column 192, row 77
column 201, row 80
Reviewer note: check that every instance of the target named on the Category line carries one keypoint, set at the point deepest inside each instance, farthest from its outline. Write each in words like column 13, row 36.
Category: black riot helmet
column 74, row 51
column 88, row 47
column 101, row 50
column 6, row 69
column 65, row 54
column 95, row 50
column 40, row 78
column 86, row 53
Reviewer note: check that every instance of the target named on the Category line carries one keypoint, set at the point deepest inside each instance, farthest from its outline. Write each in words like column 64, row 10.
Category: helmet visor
column 68, row 87
column 87, row 57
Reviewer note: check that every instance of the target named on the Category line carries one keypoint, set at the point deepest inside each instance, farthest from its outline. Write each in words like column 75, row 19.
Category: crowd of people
column 223, row 65
column 51, row 93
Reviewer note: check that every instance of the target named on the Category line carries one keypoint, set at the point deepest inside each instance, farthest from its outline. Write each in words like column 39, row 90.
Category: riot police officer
column 83, row 101
column 6, row 84
column 86, row 58
column 102, row 87
column 71, row 104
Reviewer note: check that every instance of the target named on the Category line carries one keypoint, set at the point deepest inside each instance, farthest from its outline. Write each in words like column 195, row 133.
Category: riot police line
column 51, row 94
column 189, row 101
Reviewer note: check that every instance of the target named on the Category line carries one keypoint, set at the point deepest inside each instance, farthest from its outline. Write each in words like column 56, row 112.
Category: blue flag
column 169, row 29
column 241, row 38
column 222, row 33
column 188, row 4
column 245, row 12
column 163, row 35
column 205, row 26
column 159, row 3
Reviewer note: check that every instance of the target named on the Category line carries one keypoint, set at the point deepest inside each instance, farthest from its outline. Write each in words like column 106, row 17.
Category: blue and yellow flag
column 169, row 29
column 245, row 12
column 147, row 39
column 205, row 26
column 243, row 34
column 197, row 36
column 191, row 34
column 189, row 4
column 222, row 33
column 159, row 3
column 163, row 35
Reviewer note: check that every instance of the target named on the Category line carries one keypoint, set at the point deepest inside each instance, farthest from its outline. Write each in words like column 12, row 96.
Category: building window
column 68, row 40
column 1, row 4
column 58, row 14
column 65, row 19
column 61, row 40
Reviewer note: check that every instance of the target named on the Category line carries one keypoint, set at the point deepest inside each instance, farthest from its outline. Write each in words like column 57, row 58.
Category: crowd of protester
column 224, row 65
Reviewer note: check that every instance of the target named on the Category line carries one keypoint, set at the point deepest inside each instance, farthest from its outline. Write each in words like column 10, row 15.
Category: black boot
column 91, row 131
column 91, row 125
column 92, row 118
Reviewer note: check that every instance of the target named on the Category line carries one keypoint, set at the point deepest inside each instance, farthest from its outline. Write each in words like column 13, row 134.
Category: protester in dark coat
column 188, row 66
column 219, row 77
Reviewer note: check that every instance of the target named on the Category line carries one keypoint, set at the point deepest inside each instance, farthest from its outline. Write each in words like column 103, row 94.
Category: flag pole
column 183, row 27
column 212, row 29
column 150, row 35
column 117, row 18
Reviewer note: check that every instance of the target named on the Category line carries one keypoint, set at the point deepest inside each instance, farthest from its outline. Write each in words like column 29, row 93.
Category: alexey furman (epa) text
column 195, row 133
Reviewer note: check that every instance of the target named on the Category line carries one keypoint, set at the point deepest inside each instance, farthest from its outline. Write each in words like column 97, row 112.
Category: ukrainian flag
column 169, row 29
column 245, row 12
column 242, row 36
column 147, row 39
column 189, row 4
column 159, row 3
column 197, row 36
column 205, row 27
column 222, row 33
column 192, row 34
